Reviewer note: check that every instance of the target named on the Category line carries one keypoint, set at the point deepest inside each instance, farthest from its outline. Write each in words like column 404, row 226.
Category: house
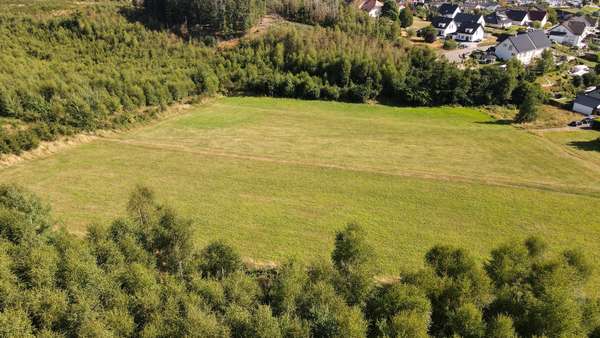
column 469, row 31
column 587, row 103
column 556, row 3
column 525, row 46
column 372, row 7
column 445, row 26
column 449, row 10
column 461, row 18
column 497, row 20
column 570, row 32
column 518, row 17
column 538, row 15
column 573, row 31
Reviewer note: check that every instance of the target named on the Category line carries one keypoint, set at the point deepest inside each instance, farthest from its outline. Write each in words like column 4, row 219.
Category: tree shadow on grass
column 593, row 145
column 500, row 122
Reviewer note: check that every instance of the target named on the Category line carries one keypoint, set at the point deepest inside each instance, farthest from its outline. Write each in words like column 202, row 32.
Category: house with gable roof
column 525, row 46
column 449, row 10
column 469, row 31
column 573, row 31
column 445, row 26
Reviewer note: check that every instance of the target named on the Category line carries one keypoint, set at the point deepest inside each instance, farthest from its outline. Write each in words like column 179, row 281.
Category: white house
column 497, row 20
column 471, row 32
column 518, row 17
column 570, row 33
column 587, row 103
column 538, row 15
column 373, row 7
column 525, row 46
column 444, row 26
column 449, row 10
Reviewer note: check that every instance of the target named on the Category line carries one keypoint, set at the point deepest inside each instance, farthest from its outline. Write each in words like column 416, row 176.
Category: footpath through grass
column 276, row 178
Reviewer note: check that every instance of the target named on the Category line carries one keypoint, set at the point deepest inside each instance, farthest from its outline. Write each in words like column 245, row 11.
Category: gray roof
column 587, row 100
column 441, row 22
column 446, row 9
column 464, row 17
column 529, row 41
column 539, row 38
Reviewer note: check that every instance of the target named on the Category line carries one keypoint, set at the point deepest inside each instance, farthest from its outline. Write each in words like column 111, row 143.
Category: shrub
column 450, row 44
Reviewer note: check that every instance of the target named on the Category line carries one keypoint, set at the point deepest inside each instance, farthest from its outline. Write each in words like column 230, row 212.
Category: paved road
column 455, row 55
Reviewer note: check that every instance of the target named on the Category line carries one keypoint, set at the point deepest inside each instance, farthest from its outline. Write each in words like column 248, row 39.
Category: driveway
column 455, row 55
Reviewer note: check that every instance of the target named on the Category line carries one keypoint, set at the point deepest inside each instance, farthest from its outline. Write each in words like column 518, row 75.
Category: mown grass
column 276, row 178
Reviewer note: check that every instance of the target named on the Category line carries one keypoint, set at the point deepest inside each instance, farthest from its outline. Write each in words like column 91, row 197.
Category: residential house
column 445, row 26
column 525, row 46
column 570, row 32
column 372, row 7
column 573, row 31
column 538, row 15
column 587, row 103
column 449, row 10
column 497, row 20
column 519, row 17
column 556, row 3
column 461, row 18
column 469, row 31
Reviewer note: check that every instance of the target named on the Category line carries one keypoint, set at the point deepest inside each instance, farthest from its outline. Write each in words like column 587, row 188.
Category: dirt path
column 265, row 23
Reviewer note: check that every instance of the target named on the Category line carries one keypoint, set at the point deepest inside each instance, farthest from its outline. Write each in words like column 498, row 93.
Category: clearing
column 276, row 178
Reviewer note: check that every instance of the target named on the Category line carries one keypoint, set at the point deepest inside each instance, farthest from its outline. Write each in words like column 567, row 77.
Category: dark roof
column 468, row 28
column 464, row 17
column 537, row 15
column 594, row 93
column 446, row 9
column 587, row 100
column 516, row 14
column 574, row 26
column 529, row 41
column 588, row 21
column 440, row 22
column 495, row 19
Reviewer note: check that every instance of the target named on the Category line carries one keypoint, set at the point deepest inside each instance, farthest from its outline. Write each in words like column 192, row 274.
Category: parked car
column 575, row 124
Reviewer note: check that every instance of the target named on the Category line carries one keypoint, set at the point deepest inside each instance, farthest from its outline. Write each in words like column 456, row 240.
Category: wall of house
column 567, row 39
column 579, row 108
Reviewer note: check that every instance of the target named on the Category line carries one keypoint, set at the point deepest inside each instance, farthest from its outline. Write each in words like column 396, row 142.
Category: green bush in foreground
column 143, row 276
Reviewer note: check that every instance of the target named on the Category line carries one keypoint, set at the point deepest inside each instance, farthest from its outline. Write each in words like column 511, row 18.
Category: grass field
column 276, row 178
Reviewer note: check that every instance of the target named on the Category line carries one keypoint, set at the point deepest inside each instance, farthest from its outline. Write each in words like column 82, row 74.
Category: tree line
column 97, row 70
column 330, row 64
column 143, row 275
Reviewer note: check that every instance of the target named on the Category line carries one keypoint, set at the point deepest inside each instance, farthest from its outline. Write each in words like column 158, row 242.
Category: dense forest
column 143, row 275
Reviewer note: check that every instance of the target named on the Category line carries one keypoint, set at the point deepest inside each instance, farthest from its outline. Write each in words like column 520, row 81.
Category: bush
column 450, row 44
column 429, row 34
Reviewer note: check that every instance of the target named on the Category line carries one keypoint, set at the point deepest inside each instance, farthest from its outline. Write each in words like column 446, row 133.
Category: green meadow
column 276, row 178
